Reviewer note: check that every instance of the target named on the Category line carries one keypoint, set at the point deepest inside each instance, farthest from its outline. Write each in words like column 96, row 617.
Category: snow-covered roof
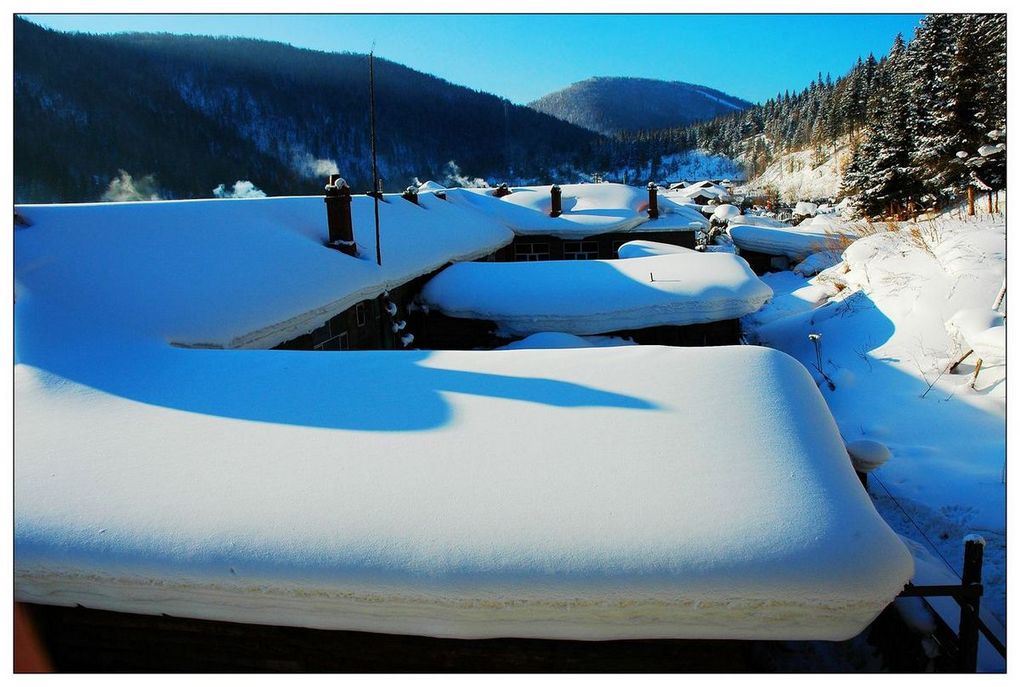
column 702, row 189
column 726, row 212
column 230, row 273
column 805, row 208
column 588, row 210
column 430, row 185
column 546, row 493
column 545, row 340
column 764, row 235
column 599, row 296
column 571, row 494
column 643, row 249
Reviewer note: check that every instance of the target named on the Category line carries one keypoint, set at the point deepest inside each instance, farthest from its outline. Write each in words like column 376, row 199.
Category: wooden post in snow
column 970, row 201
column 973, row 555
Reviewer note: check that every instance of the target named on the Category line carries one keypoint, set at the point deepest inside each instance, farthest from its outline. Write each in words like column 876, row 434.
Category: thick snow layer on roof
column 468, row 494
column 702, row 189
column 760, row 221
column 726, row 212
column 644, row 249
column 560, row 340
column 805, row 208
column 598, row 296
column 793, row 242
column 588, row 210
column 430, row 186
column 229, row 273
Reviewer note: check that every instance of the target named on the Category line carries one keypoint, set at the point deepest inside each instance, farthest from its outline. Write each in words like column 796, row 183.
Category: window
column 529, row 252
column 359, row 313
column 340, row 342
column 580, row 250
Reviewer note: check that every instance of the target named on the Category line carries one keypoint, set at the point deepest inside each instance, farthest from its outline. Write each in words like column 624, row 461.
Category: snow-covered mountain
column 611, row 104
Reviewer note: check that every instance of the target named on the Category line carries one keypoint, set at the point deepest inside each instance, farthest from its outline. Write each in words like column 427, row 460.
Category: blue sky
column 522, row 57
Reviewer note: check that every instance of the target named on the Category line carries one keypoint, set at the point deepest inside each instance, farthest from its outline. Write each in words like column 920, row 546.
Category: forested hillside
column 610, row 105
column 905, row 117
column 183, row 114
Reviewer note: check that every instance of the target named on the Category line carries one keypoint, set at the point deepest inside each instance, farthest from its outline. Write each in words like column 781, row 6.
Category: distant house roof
column 588, row 210
column 773, row 237
column 599, row 296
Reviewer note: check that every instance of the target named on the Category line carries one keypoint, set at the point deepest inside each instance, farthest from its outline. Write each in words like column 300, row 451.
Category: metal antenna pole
column 376, row 191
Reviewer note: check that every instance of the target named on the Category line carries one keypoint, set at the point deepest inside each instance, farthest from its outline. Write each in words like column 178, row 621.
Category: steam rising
column 123, row 188
column 455, row 178
column 307, row 165
column 242, row 189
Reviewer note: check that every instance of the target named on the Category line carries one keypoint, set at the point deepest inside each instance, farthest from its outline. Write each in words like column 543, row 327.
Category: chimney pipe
column 338, row 215
column 653, row 200
column 411, row 194
column 502, row 190
column 557, row 201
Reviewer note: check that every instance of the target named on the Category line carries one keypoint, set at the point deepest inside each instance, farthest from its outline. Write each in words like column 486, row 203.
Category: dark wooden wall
column 86, row 640
column 600, row 247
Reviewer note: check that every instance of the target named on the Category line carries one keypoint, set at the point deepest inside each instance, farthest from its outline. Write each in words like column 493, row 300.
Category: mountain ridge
column 194, row 112
column 611, row 104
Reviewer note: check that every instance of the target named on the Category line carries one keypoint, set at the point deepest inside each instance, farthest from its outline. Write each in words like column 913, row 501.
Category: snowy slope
column 802, row 175
column 599, row 296
column 886, row 317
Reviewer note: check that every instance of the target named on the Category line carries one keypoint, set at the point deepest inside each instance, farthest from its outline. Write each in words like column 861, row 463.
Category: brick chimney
column 557, row 201
column 653, row 200
column 338, row 215
column 502, row 190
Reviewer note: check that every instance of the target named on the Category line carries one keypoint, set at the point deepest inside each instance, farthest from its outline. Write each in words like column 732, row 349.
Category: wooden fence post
column 973, row 555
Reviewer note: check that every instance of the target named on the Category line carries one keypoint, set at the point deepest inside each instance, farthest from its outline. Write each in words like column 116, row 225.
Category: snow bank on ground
column 644, row 249
column 817, row 262
column 562, row 494
column 544, row 340
column 980, row 329
column 598, row 296
column 793, row 242
column 588, row 210
column 227, row 273
column 885, row 345
column 791, row 295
